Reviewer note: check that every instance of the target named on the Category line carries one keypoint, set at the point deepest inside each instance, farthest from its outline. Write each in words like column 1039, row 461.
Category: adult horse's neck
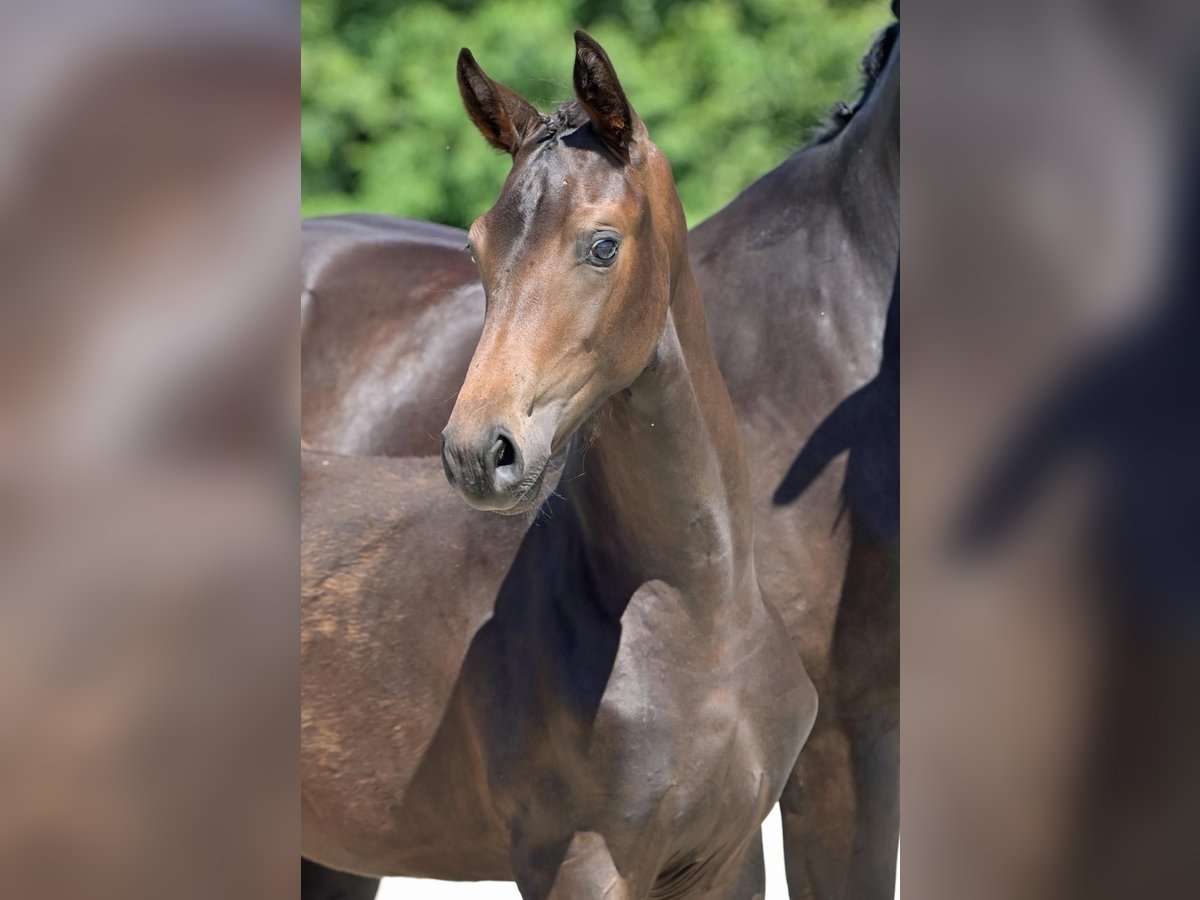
column 663, row 489
column 868, row 152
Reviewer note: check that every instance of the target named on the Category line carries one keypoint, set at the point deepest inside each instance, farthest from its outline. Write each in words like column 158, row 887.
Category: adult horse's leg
column 877, row 816
column 841, row 812
column 817, row 812
column 320, row 883
column 866, row 654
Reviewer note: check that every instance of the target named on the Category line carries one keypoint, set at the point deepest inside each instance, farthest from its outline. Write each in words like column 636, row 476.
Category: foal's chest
column 666, row 755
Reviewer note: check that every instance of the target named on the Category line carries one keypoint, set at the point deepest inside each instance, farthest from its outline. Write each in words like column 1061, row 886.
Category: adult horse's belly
column 393, row 593
column 436, row 824
column 382, row 798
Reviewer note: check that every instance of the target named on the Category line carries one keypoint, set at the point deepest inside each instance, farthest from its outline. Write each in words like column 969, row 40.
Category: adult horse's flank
column 626, row 717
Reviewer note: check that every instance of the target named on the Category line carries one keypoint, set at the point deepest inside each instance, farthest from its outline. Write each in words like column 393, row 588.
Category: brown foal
column 599, row 705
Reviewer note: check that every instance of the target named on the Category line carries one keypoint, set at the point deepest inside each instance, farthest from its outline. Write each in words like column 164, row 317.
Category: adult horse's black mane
column 872, row 67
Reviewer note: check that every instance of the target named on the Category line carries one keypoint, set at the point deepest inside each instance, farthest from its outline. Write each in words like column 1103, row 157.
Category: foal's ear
column 599, row 92
column 502, row 115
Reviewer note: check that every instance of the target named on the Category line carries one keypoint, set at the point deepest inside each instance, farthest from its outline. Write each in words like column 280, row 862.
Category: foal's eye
column 604, row 251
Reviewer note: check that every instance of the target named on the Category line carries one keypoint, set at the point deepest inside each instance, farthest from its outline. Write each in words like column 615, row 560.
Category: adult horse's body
column 379, row 377
column 795, row 273
column 602, row 704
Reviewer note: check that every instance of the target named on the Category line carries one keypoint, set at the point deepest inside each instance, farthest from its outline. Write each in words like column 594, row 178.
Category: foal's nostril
column 503, row 452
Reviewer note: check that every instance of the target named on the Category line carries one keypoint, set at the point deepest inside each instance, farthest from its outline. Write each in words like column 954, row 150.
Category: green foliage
column 727, row 89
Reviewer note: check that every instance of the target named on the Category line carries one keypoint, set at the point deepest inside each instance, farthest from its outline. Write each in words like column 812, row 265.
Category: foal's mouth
column 533, row 486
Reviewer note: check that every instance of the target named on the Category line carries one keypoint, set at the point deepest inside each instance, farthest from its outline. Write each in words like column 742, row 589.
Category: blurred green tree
column 728, row 88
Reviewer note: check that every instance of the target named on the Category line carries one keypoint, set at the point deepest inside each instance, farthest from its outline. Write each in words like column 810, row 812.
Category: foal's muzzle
column 486, row 466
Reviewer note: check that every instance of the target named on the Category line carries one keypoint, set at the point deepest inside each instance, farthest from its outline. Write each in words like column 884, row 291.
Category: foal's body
column 600, row 705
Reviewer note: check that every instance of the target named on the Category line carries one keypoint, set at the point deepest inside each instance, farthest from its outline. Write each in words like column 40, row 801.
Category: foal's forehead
column 553, row 184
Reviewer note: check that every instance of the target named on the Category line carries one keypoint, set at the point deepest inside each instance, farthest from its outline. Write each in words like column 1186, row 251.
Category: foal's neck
column 664, row 491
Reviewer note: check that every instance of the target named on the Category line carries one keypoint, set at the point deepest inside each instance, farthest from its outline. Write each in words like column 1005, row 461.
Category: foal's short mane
column 566, row 117
column 872, row 67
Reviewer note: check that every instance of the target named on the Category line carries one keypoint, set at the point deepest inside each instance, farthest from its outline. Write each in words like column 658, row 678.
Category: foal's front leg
column 751, row 882
column 579, row 869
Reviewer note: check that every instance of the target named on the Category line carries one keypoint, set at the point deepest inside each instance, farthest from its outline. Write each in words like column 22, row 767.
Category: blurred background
column 727, row 88
column 149, row 188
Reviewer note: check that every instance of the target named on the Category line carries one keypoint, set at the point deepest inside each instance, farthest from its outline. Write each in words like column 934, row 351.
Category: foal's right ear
column 502, row 116
column 600, row 93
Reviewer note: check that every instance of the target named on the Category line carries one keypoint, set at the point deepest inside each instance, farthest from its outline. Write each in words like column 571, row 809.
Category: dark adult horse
column 795, row 274
column 602, row 705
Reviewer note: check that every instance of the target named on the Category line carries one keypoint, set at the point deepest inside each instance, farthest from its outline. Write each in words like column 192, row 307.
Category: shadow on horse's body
column 600, row 704
column 795, row 274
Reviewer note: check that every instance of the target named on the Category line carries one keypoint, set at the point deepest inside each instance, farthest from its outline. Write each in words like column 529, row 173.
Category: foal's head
column 578, row 258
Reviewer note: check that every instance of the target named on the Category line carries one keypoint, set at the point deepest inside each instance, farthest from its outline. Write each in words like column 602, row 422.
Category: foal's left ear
column 600, row 93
